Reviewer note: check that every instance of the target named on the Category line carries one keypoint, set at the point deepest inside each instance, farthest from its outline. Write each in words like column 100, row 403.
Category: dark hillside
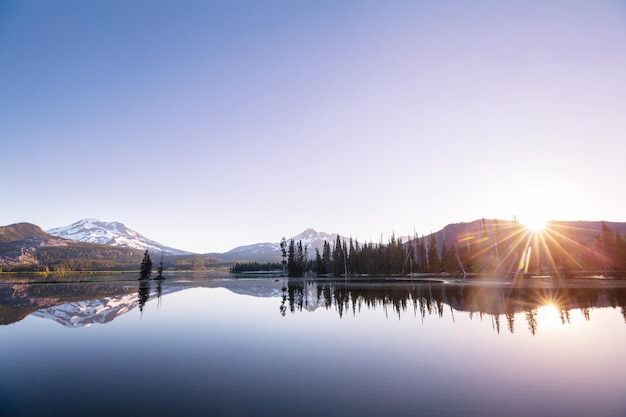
column 22, row 231
column 25, row 247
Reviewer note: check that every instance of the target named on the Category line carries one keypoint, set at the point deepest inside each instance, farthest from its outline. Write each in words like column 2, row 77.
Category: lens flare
column 536, row 223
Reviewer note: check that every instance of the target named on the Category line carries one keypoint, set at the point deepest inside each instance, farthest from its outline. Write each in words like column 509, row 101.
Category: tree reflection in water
column 397, row 297
column 283, row 307
column 159, row 292
column 143, row 294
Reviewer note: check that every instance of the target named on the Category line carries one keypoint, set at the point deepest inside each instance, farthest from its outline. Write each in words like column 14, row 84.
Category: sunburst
column 534, row 247
column 536, row 223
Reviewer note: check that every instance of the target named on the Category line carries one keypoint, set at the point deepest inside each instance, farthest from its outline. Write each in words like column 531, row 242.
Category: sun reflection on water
column 550, row 315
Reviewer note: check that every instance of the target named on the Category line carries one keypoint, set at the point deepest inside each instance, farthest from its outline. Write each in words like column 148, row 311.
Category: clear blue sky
column 207, row 125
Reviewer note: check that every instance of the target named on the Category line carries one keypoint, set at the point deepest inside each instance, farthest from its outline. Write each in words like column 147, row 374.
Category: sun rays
column 542, row 258
column 534, row 248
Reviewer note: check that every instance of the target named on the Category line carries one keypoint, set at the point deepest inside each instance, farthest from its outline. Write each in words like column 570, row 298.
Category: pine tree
column 338, row 258
column 608, row 246
column 463, row 252
column 299, row 270
column 423, row 259
column 445, row 257
column 434, row 261
column 291, row 259
column 326, row 258
column 146, row 266
column 448, row 258
column 353, row 256
column 319, row 265
column 283, row 251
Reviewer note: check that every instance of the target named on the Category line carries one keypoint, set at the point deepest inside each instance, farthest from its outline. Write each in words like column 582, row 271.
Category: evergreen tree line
column 612, row 248
column 353, row 258
column 490, row 250
column 86, row 257
column 255, row 266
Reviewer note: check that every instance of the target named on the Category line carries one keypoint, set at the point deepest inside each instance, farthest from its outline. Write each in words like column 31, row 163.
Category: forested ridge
column 489, row 247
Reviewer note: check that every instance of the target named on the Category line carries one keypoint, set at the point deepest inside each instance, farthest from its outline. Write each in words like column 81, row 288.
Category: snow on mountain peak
column 265, row 252
column 314, row 239
column 110, row 233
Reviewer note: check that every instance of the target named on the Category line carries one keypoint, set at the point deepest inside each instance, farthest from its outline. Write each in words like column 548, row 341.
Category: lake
column 203, row 345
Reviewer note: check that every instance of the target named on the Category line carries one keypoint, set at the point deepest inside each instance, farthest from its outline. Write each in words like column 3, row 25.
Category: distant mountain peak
column 270, row 251
column 314, row 239
column 110, row 233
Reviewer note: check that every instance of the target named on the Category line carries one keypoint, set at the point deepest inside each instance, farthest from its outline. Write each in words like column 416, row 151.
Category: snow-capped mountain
column 270, row 251
column 85, row 313
column 110, row 233
column 102, row 310
column 315, row 240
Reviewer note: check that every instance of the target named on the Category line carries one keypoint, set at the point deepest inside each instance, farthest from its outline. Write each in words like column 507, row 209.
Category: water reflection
column 283, row 300
column 73, row 305
column 159, row 290
column 499, row 301
column 143, row 294
column 242, row 357
column 509, row 306
column 77, row 304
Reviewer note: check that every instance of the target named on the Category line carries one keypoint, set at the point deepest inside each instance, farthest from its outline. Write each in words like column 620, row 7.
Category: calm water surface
column 196, row 346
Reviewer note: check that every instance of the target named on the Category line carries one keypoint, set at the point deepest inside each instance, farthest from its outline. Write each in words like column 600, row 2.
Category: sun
column 534, row 219
column 536, row 223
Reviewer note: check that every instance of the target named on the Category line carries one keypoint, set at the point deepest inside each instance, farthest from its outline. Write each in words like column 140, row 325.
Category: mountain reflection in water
column 82, row 304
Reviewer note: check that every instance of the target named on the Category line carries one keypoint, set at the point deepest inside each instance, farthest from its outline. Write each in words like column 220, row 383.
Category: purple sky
column 207, row 125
